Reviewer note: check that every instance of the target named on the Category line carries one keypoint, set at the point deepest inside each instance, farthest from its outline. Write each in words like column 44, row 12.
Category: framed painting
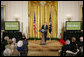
column 3, row 16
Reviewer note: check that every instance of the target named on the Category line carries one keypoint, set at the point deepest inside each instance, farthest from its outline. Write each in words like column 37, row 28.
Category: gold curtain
column 42, row 14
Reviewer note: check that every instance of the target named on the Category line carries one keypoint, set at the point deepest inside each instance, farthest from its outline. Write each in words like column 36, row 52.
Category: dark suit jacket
column 45, row 28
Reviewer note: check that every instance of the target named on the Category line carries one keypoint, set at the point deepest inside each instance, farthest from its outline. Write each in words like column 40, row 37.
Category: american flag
column 34, row 24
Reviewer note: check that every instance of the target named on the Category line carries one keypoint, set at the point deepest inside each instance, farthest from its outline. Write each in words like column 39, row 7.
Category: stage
column 50, row 49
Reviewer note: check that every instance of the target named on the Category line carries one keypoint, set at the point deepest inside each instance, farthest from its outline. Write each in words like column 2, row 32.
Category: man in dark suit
column 45, row 27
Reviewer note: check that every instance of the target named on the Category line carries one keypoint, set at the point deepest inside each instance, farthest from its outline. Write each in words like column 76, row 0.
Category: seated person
column 7, row 52
column 73, row 44
column 80, row 46
column 14, row 42
column 4, row 43
column 25, row 49
column 21, row 48
column 25, row 43
column 15, row 52
column 13, row 47
column 73, row 48
column 65, row 48
column 9, row 42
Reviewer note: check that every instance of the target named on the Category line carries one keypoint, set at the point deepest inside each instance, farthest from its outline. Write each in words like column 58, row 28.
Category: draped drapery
column 42, row 14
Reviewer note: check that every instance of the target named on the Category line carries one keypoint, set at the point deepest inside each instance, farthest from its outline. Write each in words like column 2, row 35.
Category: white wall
column 17, row 9
column 20, row 9
column 68, row 8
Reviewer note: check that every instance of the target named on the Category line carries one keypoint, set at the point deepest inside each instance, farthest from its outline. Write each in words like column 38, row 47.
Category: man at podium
column 45, row 27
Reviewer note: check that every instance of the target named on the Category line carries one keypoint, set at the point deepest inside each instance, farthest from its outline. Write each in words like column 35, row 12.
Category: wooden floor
column 50, row 49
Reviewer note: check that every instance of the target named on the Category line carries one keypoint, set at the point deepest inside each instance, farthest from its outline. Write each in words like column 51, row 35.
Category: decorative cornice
column 39, row 3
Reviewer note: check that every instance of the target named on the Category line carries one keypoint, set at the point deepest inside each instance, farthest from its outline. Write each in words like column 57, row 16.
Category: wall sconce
column 16, row 17
column 68, row 17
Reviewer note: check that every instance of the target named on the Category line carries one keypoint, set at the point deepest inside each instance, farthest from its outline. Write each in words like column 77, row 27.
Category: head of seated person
column 23, row 36
column 67, row 41
column 80, row 44
column 7, row 52
column 81, row 39
column 20, row 43
column 9, row 41
column 6, row 38
column 14, row 40
column 73, row 39
column 67, row 46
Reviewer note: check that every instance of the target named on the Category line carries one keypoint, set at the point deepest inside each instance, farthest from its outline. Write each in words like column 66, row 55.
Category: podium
column 42, row 39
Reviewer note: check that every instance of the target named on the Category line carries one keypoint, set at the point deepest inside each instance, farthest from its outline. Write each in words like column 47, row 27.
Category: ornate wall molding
column 43, row 2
